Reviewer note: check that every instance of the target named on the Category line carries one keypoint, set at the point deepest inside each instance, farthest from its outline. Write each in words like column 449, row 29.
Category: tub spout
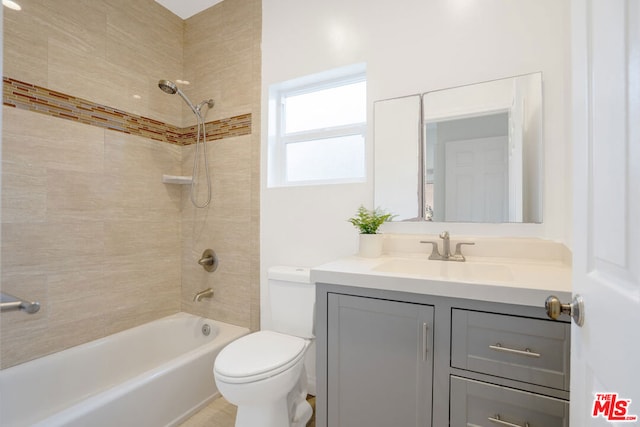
column 207, row 293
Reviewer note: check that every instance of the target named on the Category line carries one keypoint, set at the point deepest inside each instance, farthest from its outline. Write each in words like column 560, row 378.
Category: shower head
column 168, row 86
column 171, row 88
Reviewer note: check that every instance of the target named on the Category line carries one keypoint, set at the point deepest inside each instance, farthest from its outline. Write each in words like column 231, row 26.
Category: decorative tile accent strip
column 42, row 100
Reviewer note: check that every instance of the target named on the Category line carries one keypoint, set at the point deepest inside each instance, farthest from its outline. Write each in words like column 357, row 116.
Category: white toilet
column 263, row 373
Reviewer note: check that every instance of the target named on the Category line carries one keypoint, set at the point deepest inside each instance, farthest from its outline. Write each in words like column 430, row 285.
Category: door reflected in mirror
column 479, row 152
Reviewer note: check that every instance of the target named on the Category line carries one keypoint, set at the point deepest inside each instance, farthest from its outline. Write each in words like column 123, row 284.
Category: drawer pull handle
column 496, row 419
column 526, row 352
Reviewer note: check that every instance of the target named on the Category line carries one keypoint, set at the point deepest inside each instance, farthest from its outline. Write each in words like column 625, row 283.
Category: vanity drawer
column 519, row 348
column 474, row 403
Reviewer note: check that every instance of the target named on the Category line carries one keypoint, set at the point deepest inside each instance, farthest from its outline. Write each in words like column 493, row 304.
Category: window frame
column 279, row 140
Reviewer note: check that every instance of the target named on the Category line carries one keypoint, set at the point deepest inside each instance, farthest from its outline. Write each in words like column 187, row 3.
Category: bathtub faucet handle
column 209, row 260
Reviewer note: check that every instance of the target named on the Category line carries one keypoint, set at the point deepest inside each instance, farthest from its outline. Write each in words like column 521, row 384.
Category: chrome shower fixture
column 208, row 102
column 167, row 86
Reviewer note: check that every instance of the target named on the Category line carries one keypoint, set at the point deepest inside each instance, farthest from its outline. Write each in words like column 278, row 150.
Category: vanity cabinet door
column 380, row 358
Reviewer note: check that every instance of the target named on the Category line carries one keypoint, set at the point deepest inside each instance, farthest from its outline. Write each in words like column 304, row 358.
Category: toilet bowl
column 263, row 373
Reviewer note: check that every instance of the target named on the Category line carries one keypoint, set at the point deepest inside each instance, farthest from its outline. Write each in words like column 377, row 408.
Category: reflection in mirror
column 483, row 151
column 472, row 173
column 397, row 156
column 471, row 153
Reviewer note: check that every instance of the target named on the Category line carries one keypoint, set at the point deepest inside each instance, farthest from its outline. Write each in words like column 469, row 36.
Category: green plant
column 368, row 221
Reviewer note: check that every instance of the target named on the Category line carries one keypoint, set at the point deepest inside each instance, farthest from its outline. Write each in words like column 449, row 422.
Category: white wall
column 412, row 46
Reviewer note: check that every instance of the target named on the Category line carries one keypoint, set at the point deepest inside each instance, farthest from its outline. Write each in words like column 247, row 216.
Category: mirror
column 478, row 150
column 397, row 162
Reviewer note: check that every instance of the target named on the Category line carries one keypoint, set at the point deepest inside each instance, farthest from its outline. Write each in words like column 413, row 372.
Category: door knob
column 575, row 309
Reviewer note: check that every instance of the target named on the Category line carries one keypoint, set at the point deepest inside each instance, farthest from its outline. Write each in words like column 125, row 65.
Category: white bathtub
column 157, row 374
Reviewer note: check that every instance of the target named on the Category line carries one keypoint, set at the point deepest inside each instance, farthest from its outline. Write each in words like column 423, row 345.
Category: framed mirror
column 478, row 148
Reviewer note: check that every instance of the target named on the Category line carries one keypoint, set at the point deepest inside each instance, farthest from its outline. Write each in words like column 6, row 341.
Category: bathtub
column 156, row 374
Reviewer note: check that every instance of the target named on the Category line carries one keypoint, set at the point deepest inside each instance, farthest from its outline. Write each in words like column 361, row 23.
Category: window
column 316, row 129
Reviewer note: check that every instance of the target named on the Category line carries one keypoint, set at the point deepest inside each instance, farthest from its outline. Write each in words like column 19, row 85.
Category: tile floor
column 221, row 413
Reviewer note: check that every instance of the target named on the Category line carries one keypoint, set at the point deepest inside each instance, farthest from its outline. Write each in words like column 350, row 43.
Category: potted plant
column 368, row 222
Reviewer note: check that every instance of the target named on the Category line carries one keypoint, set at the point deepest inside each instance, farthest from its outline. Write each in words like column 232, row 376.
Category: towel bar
column 11, row 303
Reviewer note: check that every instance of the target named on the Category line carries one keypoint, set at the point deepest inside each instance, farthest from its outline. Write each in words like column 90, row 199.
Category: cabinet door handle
column 526, row 352
column 425, row 334
column 496, row 419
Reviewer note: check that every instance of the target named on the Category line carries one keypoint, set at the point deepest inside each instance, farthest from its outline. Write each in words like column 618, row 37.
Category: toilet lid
column 263, row 352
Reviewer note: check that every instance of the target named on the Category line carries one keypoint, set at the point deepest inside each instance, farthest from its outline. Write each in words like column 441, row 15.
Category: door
column 379, row 362
column 476, row 188
column 606, row 134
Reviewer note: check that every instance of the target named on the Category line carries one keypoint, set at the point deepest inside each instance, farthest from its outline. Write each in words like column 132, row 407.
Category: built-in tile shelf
column 177, row 179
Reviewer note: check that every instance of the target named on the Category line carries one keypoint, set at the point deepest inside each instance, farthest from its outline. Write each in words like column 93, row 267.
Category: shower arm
column 195, row 110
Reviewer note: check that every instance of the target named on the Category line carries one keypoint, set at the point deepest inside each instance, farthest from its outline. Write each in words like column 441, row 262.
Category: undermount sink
column 448, row 270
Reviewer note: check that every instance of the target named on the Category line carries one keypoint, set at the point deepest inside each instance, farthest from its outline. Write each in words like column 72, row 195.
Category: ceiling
column 187, row 8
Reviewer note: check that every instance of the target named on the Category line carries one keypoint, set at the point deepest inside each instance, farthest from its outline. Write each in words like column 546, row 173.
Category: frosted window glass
column 326, row 159
column 337, row 106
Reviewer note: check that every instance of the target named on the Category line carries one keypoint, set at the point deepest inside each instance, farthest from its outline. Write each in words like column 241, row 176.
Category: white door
column 476, row 174
column 605, row 353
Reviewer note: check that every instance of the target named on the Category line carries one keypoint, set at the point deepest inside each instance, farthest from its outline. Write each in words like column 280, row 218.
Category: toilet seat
column 257, row 356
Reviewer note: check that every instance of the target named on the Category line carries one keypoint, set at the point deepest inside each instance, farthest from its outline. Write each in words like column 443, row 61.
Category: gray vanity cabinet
column 399, row 359
column 379, row 362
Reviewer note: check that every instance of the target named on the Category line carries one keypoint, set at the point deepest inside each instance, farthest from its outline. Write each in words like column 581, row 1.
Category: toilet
column 263, row 373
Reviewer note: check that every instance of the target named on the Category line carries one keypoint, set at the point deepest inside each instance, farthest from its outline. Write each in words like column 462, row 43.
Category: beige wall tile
column 24, row 248
column 74, row 195
column 21, row 30
column 105, row 51
column 225, row 66
column 87, row 225
column 135, row 243
column 36, row 140
column 133, row 186
column 129, row 155
column 144, row 45
column 74, row 245
column 77, row 295
column 24, row 193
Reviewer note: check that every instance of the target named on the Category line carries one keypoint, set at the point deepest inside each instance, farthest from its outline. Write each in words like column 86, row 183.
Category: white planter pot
column 371, row 245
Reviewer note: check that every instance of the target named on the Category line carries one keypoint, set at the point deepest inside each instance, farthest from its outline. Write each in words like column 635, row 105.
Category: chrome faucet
column 446, row 244
column 207, row 293
column 446, row 249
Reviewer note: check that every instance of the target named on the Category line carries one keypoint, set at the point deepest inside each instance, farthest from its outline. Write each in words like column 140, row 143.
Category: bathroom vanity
column 405, row 341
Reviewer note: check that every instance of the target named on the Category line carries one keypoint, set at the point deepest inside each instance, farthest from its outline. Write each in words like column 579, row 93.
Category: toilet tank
column 292, row 298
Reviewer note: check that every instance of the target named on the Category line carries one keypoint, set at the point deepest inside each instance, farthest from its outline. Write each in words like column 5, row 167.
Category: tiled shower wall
column 223, row 62
column 88, row 229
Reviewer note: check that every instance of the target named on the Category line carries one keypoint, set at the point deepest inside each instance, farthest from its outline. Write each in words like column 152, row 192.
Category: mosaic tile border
column 45, row 101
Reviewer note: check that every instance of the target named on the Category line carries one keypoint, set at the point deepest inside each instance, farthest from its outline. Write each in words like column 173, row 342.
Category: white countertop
column 502, row 280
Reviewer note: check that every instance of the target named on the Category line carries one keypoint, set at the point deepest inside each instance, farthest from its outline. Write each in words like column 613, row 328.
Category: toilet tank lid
column 290, row 274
